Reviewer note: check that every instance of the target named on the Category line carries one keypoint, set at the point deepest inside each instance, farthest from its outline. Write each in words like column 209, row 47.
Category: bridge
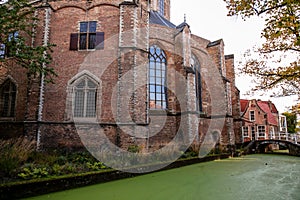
column 261, row 146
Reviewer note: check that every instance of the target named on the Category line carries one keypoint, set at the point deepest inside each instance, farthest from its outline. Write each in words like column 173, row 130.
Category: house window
column 157, row 78
column 2, row 50
column 253, row 133
column 162, row 7
column 252, row 115
column 261, row 131
column 8, row 99
column 87, row 38
column 196, row 65
column 272, row 133
column 85, row 99
column 9, row 46
column 245, row 131
column 282, row 121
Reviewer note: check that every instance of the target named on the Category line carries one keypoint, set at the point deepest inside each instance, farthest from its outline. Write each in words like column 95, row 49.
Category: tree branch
column 267, row 9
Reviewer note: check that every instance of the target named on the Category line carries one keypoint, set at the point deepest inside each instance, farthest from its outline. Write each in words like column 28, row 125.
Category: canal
column 253, row 177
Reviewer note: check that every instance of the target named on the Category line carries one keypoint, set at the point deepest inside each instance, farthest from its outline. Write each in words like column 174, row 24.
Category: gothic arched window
column 157, row 78
column 8, row 99
column 85, row 98
column 196, row 65
column 162, row 7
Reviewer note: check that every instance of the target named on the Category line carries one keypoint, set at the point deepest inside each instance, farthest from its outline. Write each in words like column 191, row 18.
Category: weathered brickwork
column 236, row 108
column 120, row 71
column 10, row 71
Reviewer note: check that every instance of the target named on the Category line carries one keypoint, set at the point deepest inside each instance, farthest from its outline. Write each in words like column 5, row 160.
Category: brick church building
column 126, row 72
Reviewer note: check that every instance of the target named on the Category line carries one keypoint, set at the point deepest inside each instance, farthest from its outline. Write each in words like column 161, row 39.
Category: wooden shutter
column 74, row 41
column 99, row 40
column 6, row 51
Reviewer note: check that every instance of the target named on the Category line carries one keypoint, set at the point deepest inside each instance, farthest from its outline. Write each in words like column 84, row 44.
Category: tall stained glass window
column 157, row 78
column 196, row 65
column 162, row 7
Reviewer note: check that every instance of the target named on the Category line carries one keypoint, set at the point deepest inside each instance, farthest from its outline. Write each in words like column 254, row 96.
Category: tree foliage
column 296, row 110
column 18, row 25
column 281, row 35
column 291, row 119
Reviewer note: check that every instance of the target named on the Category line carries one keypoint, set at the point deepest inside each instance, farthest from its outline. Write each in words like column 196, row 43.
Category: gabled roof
column 266, row 106
column 244, row 105
column 156, row 18
column 182, row 25
column 269, row 108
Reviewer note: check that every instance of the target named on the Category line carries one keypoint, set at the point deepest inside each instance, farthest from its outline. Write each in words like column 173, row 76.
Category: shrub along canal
column 268, row 177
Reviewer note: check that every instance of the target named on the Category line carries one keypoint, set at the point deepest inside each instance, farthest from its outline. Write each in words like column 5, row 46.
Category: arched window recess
column 157, row 78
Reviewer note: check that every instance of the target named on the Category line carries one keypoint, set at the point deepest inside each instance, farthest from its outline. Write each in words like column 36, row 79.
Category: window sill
column 85, row 120
column 85, row 50
column 158, row 112
column 9, row 119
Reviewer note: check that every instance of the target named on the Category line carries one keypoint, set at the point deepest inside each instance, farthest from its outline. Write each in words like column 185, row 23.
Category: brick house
column 261, row 120
column 126, row 72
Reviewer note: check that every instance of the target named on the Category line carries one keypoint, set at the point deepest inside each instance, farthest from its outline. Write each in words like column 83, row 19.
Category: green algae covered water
column 253, row 177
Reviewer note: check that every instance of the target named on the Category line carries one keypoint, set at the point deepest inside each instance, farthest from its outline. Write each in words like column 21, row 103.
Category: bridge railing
column 292, row 137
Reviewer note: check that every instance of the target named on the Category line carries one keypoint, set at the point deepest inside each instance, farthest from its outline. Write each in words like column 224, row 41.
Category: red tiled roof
column 244, row 104
column 269, row 108
column 273, row 108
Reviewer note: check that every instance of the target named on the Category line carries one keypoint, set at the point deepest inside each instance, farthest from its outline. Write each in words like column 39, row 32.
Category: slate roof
column 156, row 18
column 214, row 43
column 182, row 25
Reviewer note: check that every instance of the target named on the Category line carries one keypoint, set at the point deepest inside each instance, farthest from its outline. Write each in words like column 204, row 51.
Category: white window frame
column 253, row 132
column 272, row 132
column 261, row 131
column 245, row 129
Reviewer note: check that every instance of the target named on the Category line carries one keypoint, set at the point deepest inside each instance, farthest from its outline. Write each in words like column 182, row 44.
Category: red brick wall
column 68, row 63
column 260, row 118
column 235, row 99
column 110, row 65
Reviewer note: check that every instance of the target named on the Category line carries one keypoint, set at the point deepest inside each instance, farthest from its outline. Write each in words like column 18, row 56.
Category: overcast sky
column 208, row 19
